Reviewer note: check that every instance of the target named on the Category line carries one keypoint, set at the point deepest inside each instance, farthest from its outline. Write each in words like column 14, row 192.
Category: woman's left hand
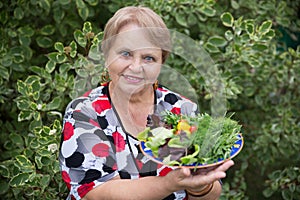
column 187, row 179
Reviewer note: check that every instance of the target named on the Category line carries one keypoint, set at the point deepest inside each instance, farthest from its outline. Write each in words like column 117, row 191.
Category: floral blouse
column 95, row 148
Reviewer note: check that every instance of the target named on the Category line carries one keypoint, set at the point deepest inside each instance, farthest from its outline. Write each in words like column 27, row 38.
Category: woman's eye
column 149, row 58
column 125, row 53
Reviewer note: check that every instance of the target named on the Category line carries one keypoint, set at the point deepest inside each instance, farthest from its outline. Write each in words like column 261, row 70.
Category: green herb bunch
column 185, row 140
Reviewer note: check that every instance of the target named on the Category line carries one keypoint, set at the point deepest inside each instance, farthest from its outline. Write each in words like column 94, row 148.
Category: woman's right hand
column 183, row 178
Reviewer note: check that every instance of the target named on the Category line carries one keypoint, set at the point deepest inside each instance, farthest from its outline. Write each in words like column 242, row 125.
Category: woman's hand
column 184, row 178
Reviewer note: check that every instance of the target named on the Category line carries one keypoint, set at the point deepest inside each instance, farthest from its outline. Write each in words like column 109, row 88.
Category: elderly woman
column 100, row 156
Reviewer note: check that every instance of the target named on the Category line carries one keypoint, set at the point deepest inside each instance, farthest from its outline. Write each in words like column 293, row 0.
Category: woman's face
column 133, row 61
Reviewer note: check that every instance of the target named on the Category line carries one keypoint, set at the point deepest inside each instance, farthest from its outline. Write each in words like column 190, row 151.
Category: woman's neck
column 133, row 109
column 144, row 96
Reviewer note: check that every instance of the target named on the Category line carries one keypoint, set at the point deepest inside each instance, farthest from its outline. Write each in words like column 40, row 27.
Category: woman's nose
column 136, row 64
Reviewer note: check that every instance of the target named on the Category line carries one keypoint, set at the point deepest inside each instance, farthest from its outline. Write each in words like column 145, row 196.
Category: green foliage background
column 255, row 45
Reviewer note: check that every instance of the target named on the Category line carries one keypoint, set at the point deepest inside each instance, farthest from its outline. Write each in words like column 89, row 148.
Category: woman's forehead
column 134, row 37
column 133, row 40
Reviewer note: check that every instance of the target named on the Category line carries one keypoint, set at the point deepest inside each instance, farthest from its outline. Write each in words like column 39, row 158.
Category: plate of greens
column 199, row 141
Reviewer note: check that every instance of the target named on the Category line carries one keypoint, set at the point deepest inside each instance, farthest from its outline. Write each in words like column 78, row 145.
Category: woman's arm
column 213, row 194
column 155, row 187
column 151, row 187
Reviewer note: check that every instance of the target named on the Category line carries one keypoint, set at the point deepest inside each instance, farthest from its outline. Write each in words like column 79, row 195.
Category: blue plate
column 235, row 150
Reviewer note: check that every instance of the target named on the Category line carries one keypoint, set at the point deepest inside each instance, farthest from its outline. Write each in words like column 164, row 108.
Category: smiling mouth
column 133, row 79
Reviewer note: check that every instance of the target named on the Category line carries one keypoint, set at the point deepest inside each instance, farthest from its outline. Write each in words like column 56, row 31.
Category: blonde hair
column 143, row 17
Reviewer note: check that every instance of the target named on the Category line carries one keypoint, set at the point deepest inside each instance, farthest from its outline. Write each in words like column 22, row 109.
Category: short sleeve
column 87, row 157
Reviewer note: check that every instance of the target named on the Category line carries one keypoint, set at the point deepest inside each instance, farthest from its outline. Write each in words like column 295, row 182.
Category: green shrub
column 49, row 53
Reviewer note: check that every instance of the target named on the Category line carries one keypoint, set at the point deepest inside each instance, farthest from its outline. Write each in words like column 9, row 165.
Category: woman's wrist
column 202, row 192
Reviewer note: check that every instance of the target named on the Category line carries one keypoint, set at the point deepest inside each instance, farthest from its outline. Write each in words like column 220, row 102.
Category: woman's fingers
column 212, row 175
column 186, row 171
column 219, row 172
column 184, row 178
column 224, row 167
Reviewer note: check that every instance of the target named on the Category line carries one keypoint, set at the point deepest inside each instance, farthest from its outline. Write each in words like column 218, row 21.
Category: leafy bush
column 49, row 53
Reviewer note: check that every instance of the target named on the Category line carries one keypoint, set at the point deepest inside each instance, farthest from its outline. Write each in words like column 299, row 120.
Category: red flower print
column 139, row 163
column 85, row 188
column 114, row 167
column 165, row 171
column 159, row 165
column 176, row 110
column 101, row 105
column 94, row 122
column 87, row 93
column 101, row 150
column 119, row 141
column 66, row 178
column 68, row 131
column 162, row 89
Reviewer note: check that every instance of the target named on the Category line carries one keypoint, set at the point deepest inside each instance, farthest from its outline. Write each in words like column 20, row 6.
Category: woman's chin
column 132, row 88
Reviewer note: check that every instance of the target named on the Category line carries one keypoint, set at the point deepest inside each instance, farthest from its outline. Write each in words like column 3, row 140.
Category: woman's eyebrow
column 147, row 49
column 123, row 48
